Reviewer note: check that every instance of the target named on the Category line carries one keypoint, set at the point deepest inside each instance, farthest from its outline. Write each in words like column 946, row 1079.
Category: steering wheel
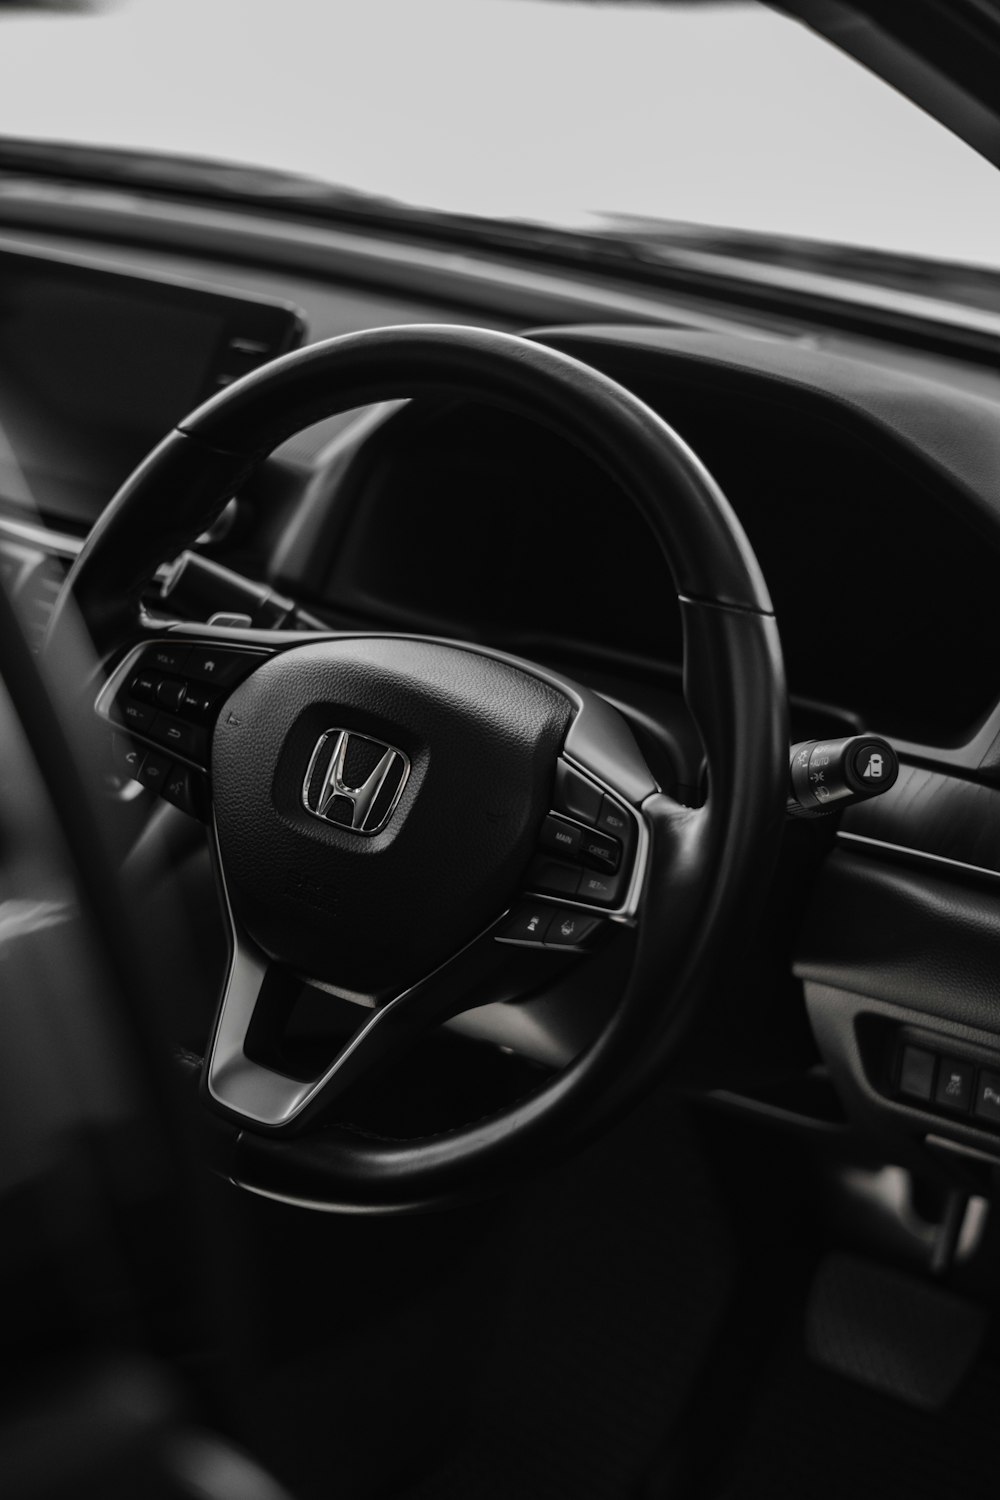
column 422, row 825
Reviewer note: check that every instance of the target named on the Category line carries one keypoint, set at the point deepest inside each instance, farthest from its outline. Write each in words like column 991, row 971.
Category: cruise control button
column 916, row 1073
column 954, row 1084
column 154, row 771
column 165, row 658
column 185, row 739
column 614, row 819
column 576, row 795
column 987, row 1103
column 560, row 837
column 134, row 715
column 548, row 875
column 527, row 925
column 170, row 694
column 603, row 890
column 602, row 852
column 571, row 929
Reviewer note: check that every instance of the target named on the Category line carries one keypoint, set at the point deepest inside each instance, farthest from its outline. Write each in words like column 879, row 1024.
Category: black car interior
column 610, row 1104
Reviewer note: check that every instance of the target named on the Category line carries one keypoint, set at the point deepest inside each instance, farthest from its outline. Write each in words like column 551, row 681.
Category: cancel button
column 987, row 1105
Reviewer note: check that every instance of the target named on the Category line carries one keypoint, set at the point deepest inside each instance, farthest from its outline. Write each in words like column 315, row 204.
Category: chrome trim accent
column 935, row 859
column 363, row 797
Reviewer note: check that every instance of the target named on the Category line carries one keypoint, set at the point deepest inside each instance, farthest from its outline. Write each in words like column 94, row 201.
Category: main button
column 560, row 837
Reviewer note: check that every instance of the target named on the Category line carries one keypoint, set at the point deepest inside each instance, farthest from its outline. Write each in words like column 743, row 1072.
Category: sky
column 722, row 114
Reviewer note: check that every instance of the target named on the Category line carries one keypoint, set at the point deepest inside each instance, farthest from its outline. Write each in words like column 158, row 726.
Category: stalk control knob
column 828, row 774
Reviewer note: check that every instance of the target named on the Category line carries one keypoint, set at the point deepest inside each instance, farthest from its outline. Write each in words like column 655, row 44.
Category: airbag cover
column 372, row 914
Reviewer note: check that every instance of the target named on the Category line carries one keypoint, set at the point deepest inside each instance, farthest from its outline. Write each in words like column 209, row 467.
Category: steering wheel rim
column 703, row 867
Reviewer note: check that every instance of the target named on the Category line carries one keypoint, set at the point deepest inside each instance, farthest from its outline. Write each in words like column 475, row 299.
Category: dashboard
column 864, row 473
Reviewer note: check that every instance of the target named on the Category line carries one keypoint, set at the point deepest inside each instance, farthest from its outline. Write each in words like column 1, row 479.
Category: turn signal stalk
column 825, row 775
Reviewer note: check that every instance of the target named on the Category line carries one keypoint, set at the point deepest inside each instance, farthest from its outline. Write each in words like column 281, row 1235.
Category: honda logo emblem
column 353, row 781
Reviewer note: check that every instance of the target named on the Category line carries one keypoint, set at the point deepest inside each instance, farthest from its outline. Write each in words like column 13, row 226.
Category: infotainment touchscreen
column 97, row 366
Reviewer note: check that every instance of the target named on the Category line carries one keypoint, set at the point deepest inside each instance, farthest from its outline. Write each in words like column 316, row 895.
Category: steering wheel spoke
column 244, row 1075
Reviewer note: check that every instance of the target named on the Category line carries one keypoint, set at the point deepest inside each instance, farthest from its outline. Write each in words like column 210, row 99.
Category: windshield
column 542, row 110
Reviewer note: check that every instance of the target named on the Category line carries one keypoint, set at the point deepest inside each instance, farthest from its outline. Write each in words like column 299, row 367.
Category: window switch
column 916, row 1073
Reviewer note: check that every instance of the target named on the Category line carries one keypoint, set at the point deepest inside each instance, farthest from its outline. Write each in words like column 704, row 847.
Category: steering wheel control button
column 556, row 879
column 185, row 739
column 954, row 1085
column 196, row 703
column 183, row 788
column 576, row 795
column 916, row 1073
column 527, row 925
column 165, row 658
column 602, row 890
column 560, row 837
column 225, row 668
column 170, row 694
column 571, row 930
column 614, row 819
column 143, row 687
column 127, row 757
column 987, row 1101
column 133, row 715
column 600, row 851
column 154, row 771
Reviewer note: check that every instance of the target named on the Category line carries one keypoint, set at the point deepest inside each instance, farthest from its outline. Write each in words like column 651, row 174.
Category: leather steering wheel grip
column 707, row 867
column 184, row 483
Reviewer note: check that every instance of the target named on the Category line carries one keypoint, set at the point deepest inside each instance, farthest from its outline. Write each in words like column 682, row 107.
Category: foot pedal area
column 891, row 1331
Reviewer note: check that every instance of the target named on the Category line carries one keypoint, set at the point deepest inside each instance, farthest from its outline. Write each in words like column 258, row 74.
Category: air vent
column 34, row 579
